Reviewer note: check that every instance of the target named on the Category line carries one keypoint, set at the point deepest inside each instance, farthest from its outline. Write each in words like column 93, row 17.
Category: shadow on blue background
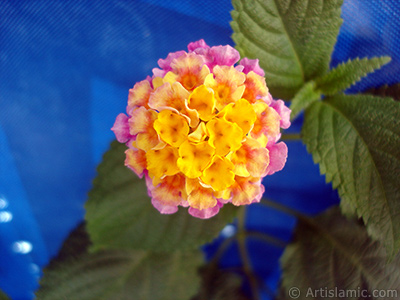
column 65, row 71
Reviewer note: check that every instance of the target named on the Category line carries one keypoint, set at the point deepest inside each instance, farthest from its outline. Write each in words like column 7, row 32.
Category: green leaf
column 123, row 275
column 3, row 296
column 292, row 39
column 331, row 253
column 356, row 141
column 347, row 74
column 304, row 98
column 116, row 274
column 120, row 214
column 220, row 285
column 77, row 243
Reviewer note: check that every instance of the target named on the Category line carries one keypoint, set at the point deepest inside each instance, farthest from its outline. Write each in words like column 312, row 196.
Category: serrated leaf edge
column 392, row 250
column 379, row 60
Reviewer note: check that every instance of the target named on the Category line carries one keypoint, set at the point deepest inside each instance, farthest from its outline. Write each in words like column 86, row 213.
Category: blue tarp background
column 65, row 71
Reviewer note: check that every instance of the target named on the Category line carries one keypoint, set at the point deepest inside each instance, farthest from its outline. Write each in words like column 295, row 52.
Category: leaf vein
column 290, row 43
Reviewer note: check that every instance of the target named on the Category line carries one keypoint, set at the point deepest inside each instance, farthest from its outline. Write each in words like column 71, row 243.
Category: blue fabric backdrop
column 65, row 71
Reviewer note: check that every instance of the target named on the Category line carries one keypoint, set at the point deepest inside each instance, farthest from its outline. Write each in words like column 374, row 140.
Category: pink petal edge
column 165, row 64
column 259, row 196
column 121, row 128
column 205, row 213
column 277, row 157
column 224, row 55
column 196, row 45
column 251, row 65
column 283, row 111
column 164, row 209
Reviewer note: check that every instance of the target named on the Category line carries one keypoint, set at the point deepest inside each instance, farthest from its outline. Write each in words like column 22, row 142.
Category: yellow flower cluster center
column 202, row 131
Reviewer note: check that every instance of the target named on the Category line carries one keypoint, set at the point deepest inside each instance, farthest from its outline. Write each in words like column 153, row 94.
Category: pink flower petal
column 165, row 64
column 121, row 128
column 164, row 209
column 136, row 160
column 149, row 183
column 205, row 213
column 224, row 55
column 277, row 157
column 158, row 72
column 259, row 196
column 283, row 111
column 205, row 53
column 161, row 207
column 246, row 191
column 251, row 65
column 198, row 44
column 268, row 99
column 239, row 68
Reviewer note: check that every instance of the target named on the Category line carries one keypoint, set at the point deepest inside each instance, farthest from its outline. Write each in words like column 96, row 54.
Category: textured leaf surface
column 121, row 216
column 292, row 39
column 331, row 252
column 356, row 141
column 118, row 275
column 346, row 74
column 304, row 98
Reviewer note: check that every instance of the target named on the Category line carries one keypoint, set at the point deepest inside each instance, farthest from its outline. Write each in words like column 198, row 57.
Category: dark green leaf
column 218, row 284
column 121, row 216
column 3, row 296
column 356, row 141
column 118, row 275
column 76, row 244
column 304, row 98
column 330, row 254
column 347, row 74
column 292, row 39
column 387, row 91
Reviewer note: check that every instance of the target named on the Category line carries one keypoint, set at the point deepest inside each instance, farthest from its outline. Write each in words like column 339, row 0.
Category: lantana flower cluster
column 203, row 131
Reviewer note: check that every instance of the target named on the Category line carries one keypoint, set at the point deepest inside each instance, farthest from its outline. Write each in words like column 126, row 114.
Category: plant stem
column 269, row 239
column 221, row 249
column 241, row 238
column 282, row 208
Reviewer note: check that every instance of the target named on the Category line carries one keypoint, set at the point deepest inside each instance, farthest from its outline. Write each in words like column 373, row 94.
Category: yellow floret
column 162, row 162
column 241, row 113
column 224, row 136
column 219, row 174
column 199, row 197
column 194, row 157
column 202, row 99
column 171, row 127
column 199, row 134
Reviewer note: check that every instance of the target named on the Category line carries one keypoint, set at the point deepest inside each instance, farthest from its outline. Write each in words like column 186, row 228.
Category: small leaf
column 331, row 254
column 120, row 214
column 122, row 275
column 347, row 74
column 356, row 141
column 392, row 91
column 292, row 39
column 304, row 98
